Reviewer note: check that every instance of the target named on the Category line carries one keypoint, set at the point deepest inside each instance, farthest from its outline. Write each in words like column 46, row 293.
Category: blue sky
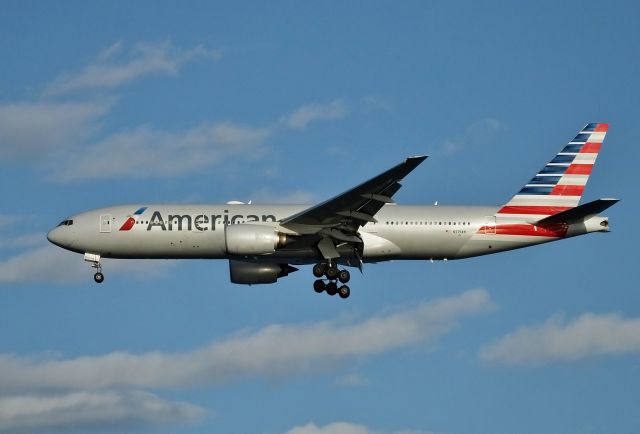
column 294, row 102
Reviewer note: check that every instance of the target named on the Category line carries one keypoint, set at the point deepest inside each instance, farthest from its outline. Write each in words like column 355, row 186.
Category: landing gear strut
column 332, row 274
column 94, row 260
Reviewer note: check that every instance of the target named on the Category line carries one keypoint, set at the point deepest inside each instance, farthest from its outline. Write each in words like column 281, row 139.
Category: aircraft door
column 105, row 223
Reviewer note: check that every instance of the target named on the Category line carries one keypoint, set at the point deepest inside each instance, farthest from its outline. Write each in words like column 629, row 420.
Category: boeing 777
column 362, row 225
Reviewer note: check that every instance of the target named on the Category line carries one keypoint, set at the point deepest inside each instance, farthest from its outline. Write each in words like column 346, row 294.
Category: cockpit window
column 65, row 223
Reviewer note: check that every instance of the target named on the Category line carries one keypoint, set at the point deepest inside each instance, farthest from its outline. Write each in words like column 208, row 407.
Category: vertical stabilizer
column 559, row 185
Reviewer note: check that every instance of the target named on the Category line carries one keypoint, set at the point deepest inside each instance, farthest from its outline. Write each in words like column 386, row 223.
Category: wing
column 342, row 216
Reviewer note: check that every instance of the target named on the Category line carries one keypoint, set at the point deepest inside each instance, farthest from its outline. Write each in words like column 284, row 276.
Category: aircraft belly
column 481, row 244
column 426, row 244
column 151, row 245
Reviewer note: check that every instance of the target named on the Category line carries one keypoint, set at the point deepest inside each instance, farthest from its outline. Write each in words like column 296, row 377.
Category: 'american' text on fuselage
column 203, row 222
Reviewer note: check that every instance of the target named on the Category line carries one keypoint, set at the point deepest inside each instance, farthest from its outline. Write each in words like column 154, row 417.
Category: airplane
column 263, row 243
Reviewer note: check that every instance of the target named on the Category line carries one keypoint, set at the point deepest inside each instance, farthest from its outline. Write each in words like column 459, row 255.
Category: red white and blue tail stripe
column 560, row 184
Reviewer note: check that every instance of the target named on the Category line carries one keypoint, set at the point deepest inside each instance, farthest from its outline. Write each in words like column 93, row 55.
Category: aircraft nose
column 54, row 236
column 59, row 236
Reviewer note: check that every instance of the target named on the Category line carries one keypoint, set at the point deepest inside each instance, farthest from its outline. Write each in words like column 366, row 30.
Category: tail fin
column 559, row 185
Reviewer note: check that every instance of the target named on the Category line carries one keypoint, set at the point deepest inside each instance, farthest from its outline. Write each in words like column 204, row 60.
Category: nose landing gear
column 94, row 260
column 332, row 274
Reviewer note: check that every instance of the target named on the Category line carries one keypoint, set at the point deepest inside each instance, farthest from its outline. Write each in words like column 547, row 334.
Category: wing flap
column 328, row 249
column 378, row 197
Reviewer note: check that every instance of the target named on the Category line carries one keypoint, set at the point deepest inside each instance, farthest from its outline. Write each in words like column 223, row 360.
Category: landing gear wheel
column 319, row 269
column 344, row 276
column 98, row 277
column 319, row 286
column 332, row 272
column 344, row 291
column 332, row 288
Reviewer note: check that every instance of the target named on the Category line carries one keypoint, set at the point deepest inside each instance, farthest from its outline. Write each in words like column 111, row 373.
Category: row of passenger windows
column 398, row 223
column 428, row 223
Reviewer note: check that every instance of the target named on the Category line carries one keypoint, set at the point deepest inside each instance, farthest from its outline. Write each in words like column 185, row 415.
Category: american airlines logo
column 194, row 222
column 132, row 219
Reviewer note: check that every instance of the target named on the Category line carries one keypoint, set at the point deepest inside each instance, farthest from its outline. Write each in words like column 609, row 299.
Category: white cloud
column 149, row 153
column 275, row 351
column 116, row 66
column 352, row 380
column 48, row 263
column 303, row 116
column 589, row 335
column 91, row 411
column 332, row 428
column 43, row 264
column 24, row 240
column 145, row 152
column 376, row 103
column 37, row 131
column 6, row 220
column 477, row 133
column 266, row 195
column 102, row 392
column 343, row 428
column 64, row 138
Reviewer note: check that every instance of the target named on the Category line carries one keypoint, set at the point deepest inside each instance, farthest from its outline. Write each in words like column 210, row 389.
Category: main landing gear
column 332, row 274
column 94, row 260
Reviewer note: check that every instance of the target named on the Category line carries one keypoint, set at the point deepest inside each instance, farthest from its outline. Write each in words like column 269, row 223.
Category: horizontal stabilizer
column 579, row 213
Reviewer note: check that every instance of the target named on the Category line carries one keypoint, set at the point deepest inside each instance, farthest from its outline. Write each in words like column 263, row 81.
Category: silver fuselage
column 400, row 232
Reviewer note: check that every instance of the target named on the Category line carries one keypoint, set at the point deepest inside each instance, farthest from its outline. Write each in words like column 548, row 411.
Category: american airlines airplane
column 361, row 225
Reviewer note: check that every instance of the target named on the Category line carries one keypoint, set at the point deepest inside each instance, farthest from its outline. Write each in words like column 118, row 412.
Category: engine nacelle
column 253, row 273
column 246, row 240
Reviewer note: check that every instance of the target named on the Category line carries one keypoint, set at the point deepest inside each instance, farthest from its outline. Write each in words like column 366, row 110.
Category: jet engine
column 244, row 239
column 252, row 273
